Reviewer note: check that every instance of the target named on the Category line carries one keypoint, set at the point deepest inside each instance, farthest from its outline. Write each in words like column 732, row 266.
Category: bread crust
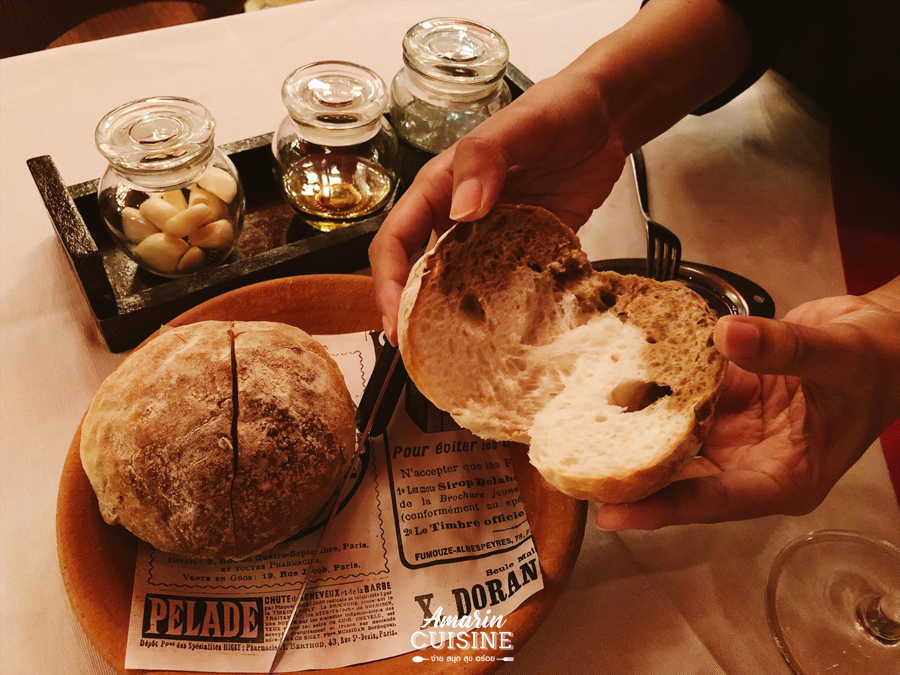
column 295, row 432
column 158, row 442
column 161, row 464
column 529, row 247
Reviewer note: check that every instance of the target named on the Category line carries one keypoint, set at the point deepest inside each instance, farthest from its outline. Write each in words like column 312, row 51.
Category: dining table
column 747, row 188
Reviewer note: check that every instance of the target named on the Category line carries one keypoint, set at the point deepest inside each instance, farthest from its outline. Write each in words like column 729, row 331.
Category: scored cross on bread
column 612, row 379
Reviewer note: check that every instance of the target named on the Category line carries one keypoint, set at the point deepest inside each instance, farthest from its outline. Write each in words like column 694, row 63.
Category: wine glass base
column 815, row 590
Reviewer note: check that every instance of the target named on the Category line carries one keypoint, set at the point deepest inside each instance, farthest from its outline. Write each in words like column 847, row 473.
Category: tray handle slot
column 78, row 243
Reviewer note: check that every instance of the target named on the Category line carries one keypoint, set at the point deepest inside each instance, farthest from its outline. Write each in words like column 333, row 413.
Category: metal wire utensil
column 663, row 247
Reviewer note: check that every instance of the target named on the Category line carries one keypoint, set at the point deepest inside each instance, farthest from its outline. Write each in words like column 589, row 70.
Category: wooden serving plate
column 97, row 560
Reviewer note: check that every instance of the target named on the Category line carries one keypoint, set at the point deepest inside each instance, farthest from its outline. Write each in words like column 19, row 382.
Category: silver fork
column 663, row 247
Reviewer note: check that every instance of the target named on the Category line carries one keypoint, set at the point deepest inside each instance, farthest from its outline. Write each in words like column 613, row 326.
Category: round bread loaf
column 219, row 438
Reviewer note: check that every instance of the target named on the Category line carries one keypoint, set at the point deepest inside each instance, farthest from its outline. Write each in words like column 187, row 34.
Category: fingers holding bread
column 422, row 209
column 720, row 497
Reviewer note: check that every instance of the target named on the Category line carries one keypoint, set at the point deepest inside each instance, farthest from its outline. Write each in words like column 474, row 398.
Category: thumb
column 479, row 171
column 766, row 346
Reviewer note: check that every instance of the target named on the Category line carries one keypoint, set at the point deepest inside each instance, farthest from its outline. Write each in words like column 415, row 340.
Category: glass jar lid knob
column 335, row 102
column 456, row 51
column 454, row 47
column 156, row 135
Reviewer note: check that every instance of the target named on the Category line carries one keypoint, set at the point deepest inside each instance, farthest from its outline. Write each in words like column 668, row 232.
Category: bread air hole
column 636, row 395
column 462, row 231
column 471, row 308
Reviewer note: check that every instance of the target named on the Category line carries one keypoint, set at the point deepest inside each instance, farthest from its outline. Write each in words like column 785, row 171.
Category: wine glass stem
column 874, row 618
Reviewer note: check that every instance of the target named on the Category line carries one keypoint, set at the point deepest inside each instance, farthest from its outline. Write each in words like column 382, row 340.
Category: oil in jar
column 336, row 188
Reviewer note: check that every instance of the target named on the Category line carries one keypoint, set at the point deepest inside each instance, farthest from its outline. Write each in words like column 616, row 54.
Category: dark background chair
column 32, row 25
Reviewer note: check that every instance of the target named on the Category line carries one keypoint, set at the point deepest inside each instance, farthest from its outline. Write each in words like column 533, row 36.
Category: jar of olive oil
column 336, row 156
column 451, row 82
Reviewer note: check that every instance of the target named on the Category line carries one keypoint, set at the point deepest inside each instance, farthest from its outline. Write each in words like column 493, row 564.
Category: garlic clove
column 201, row 196
column 174, row 197
column 161, row 252
column 220, row 183
column 157, row 211
column 135, row 226
column 189, row 221
column 219, row 234
column 192, row 261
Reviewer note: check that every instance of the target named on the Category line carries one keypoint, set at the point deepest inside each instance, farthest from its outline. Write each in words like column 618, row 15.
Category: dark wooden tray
column 129, row 303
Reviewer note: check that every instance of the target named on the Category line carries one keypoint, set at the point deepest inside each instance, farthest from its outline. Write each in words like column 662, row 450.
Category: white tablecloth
column 746, row 188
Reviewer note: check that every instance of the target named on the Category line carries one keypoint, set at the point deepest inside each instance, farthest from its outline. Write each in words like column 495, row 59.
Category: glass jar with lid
column 336, row 156
column 172, row 201
column 451, row 82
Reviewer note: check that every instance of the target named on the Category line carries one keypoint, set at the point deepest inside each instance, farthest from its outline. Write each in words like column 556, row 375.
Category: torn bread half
column 611, row 379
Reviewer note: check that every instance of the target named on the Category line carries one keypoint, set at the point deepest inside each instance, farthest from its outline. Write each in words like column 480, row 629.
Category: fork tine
column 677, row 267
column 660, row 258
column 664, row 263
column 663, row 259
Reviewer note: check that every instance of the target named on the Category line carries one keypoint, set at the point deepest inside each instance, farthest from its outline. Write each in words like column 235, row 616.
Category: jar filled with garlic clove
column 172, row 201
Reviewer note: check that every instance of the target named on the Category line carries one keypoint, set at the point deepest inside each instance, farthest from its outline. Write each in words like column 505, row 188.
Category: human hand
column 552, row 147
column 802, row 401
column 562, row 144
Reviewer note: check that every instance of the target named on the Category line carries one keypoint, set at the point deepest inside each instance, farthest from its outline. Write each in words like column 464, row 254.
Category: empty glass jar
column 452, row 81
column 172, row 201
column 336, row 156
